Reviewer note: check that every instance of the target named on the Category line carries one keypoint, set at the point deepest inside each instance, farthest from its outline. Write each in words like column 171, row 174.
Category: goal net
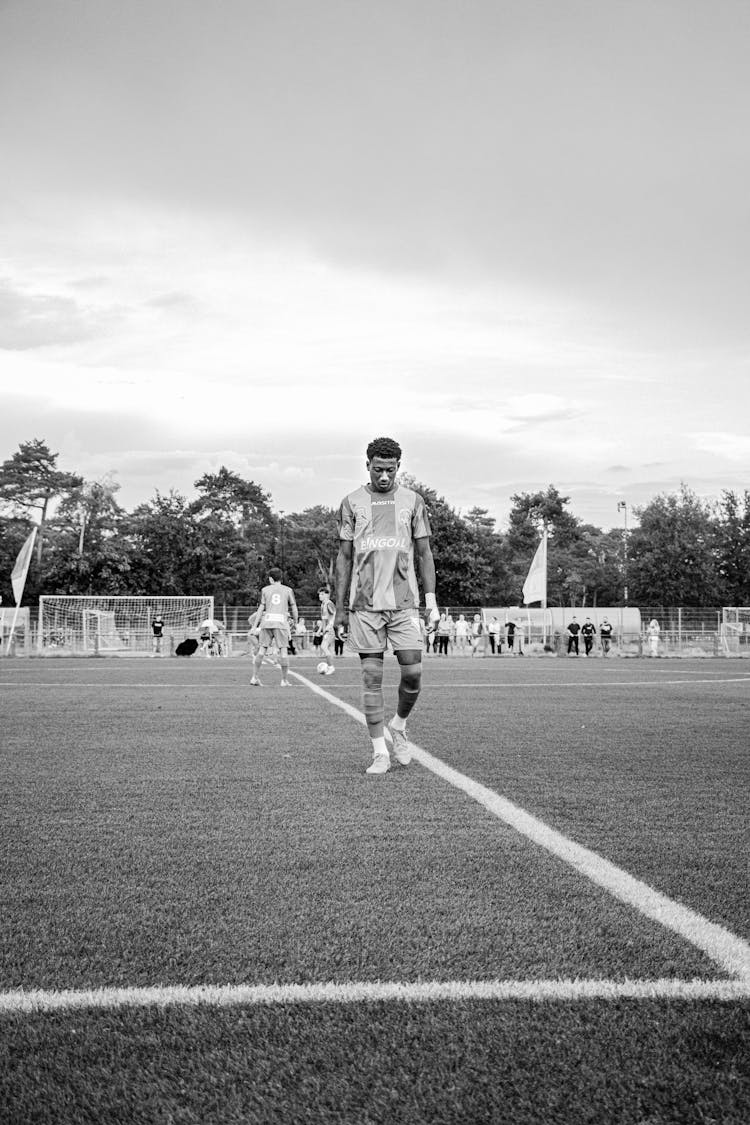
column 735, row 630
column 72, row 625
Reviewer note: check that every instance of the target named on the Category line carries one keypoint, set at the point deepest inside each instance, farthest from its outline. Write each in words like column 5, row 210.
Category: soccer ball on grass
column 322, row 667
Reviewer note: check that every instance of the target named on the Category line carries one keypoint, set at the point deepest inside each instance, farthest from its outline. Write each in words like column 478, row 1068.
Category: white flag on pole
column 21, row 569
column 535, row 586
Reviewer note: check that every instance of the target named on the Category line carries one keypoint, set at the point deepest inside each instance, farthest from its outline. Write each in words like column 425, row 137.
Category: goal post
column 735, row 630
column 75, row 625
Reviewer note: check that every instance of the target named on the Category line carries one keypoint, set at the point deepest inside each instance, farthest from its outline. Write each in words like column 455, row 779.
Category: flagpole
column 544, row 597
column 12, row 629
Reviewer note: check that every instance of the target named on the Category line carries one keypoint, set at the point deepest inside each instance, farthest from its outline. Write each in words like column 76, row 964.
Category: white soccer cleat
column 401, row 746
column 255, row 682
column 285, row 683
column 330, row 670
column 381, row 763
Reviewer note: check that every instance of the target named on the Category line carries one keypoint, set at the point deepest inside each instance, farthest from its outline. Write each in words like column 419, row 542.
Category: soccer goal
column 74, row 625
column 735, row 631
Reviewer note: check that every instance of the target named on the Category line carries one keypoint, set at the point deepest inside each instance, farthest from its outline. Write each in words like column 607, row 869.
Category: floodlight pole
column 622, row 506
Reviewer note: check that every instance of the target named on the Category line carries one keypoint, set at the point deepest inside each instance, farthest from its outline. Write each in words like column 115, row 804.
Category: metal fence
column 684, row 632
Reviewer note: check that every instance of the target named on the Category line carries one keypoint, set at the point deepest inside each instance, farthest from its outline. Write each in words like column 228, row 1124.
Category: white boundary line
column 510, row 685
column 410, row 992
column 724, row 948
column 488, row 685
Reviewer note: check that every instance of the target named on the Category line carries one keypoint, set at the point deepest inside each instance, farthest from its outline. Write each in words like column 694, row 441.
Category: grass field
column 211, row 914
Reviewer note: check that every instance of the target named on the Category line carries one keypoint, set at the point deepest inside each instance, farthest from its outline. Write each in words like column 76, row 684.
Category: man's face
column 383, row 472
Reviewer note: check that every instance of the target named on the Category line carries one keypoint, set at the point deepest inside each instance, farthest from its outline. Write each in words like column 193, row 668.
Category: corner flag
column 535, row 586
column 21, row 569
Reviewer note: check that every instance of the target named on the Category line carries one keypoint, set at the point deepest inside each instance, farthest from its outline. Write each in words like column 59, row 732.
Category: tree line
column 222, row 541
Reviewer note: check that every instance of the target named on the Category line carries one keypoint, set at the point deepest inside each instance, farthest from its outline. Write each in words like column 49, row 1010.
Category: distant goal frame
column 735, row 630
column 118, row 625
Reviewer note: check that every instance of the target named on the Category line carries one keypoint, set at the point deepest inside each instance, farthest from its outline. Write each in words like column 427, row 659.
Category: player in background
column 382, row 527
column 478, row 636
column 209, row 629
column 653, row 636
column 253, row 635
column 277, row 605
column 157, row 628
column 327, row 616
column 588, row 632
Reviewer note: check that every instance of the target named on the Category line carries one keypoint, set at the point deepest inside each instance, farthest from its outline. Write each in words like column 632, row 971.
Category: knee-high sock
column 408, row 688
column 372, row 695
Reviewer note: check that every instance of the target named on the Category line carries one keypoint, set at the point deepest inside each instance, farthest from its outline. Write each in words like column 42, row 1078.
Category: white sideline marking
column 510, row 685
column 329, row 992
column 724, row 948
column 489, row 686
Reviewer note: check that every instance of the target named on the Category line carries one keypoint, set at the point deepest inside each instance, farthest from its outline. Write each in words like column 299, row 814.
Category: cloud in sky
column 514, row 235
column 581, row 143
column 38, row 319
column 732, row 446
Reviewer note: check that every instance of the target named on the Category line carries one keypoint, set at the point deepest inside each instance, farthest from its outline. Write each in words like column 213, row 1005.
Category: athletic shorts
column 372, row 630
column 280, row 636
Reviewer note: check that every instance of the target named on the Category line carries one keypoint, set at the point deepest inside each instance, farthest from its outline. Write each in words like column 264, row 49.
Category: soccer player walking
column 277, row 605
column 382, row 527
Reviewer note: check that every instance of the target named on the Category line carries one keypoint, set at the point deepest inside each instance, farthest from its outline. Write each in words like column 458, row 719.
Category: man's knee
column 411, row 676
column 372, row 673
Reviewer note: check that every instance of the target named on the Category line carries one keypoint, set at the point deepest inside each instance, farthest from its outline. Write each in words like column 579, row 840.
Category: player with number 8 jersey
column 277, row 605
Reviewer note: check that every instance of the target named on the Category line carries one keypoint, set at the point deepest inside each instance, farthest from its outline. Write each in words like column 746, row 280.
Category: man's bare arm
column 423, row 552
column 344, row 563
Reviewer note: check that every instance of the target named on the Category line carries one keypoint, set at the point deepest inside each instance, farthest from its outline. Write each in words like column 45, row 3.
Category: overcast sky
column 258, row 233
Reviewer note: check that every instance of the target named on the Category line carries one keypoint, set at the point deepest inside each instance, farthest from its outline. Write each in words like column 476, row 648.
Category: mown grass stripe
column 412, row 992
column 724, row 948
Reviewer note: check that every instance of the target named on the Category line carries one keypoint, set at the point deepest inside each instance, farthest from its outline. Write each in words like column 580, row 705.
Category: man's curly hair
column 383, row 447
